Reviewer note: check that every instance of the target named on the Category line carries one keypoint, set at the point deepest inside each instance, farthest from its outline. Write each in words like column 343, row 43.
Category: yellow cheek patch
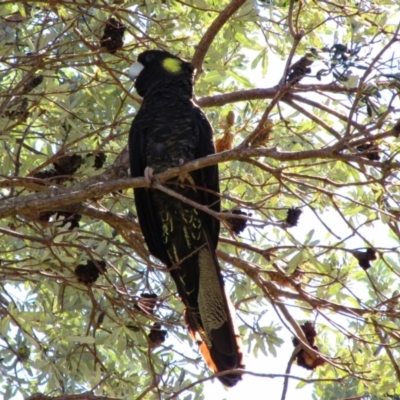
column 172, row 65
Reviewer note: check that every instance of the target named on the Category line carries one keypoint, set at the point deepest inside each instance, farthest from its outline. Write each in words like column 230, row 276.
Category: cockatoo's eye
column 149, row 57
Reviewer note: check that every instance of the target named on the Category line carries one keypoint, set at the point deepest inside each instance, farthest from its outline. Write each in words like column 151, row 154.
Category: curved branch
column 267, row 93
column 212, row 31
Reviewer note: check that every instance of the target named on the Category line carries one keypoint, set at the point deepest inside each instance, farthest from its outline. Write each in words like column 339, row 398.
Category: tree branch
column 212, row 31
column 268, row 93
column 110, row 181
column 83, row 396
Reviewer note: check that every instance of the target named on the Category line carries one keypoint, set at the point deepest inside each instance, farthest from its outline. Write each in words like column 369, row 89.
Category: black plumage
column 168, row 131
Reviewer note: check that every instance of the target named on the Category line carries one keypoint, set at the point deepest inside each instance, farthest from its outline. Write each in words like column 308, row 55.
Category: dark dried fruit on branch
column 293, row 215
column 299, row 70
column 237, row 225
column 340, row 48
column 370, row 151
column 46, row 174
column 68, row 165
column 100, row 319
column 132, row 327
column 33, row 82
column 157, row 335
column 69, row 218
column 101, row 265
column 113, row 37
column 305, row 359
column 364, row 257
column 309, row 332
column 99, row 159
column 89, row 272
column 339, row 54
column 17, row 109
column 45, row 216
column 396, row 128
column 147, row 302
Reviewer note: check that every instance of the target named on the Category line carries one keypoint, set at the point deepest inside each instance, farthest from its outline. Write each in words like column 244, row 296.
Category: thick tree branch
column 109, row 181
column 269, row 93
column 83, row 396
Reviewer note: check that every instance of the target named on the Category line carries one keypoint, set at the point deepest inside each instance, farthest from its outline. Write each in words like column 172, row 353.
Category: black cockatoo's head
column 156, row 67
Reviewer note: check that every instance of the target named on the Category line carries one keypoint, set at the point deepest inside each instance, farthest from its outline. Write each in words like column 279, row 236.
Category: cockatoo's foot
column 148, row 174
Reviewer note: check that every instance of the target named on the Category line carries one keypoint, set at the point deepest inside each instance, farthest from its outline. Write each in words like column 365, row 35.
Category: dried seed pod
column 225, row 142
column 89, row 272
column 71, row 218
column 364, row 257
column 17, row 109
column 304, row 359
column 396, row 128
column 45, row 216
column 370, row 151
column 100, row 319
column 309, row 332
column 99, row 159
column 147, row 302
column 46, row 174
column 33, row 82
column 292, row 217
column 299, row 70
column 157, row 335
column 113, row 36
column 237, row 225
column 68, row 165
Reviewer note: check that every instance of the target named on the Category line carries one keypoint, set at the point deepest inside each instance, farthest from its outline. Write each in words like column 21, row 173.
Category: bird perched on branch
column 168, row 131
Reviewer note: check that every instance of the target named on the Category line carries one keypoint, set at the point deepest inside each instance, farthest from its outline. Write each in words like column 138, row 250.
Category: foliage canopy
column 77, row 306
